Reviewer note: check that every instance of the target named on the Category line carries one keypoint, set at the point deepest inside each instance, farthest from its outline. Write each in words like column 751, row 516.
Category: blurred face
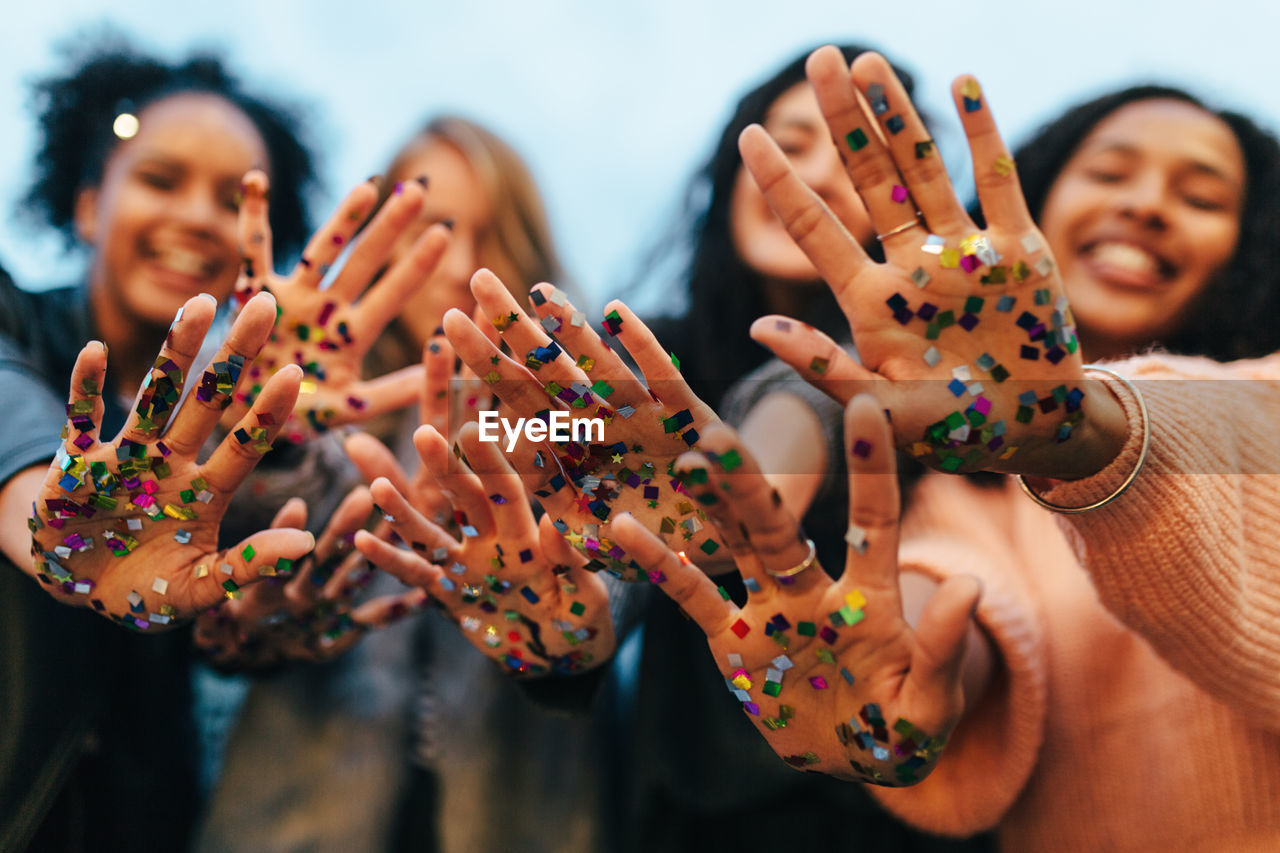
column 1141, row 219
column 456, row 196
column 162, row 223
column 760, row 239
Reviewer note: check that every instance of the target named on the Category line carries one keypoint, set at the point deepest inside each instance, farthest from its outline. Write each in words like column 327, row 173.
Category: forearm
column 1187, row 556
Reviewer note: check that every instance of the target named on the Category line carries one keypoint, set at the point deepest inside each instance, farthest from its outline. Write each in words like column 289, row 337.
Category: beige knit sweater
column 1137, row 702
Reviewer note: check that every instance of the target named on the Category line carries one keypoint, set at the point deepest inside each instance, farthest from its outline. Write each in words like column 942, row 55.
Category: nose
column 1144, row 198
column 200, row 210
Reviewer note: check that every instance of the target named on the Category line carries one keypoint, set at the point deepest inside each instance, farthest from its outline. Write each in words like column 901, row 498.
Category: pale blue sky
column 615, row 107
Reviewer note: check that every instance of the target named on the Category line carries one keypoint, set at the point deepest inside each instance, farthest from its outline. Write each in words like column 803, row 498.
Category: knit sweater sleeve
column 954, row 528
column 1189, row 556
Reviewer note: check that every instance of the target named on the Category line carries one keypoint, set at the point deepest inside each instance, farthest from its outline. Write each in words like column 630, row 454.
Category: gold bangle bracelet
column 1133, row 475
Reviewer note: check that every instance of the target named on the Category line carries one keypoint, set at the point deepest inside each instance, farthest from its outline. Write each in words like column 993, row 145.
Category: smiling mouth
column 185, row 262
column 1131, row 262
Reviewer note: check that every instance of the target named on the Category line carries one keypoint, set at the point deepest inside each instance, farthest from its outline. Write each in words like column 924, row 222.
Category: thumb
column 937, row 661
column 821, row 361
column 263, row 554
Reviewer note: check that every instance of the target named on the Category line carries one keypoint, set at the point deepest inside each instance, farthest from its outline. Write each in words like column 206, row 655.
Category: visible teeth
column 1125, row 256
column 182, row 261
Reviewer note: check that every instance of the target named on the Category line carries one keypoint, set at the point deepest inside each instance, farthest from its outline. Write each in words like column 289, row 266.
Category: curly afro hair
column 75, row 110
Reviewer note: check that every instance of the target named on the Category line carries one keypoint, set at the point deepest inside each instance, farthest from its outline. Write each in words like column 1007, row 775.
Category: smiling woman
column 1161, row 213
column 139, row 165
column 154, row 202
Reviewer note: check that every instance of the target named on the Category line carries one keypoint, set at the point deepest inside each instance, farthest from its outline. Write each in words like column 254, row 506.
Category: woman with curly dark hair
column 1231, row 313
column 139, row 165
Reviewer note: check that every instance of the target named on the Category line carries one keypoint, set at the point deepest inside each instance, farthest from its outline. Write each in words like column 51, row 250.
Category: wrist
column 1094, row 443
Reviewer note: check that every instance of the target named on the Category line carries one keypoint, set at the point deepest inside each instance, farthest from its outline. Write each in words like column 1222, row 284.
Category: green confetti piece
column 247, row 553
column 577, row 608
column 710, row 547
column 856, row 138
column 806, row 629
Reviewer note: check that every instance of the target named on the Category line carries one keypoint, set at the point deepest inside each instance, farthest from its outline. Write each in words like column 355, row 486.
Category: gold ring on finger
column 798, row 567
column 906, row 226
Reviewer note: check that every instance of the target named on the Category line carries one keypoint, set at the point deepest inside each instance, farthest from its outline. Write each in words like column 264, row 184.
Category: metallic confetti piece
column 919, row 277
column 857, row 538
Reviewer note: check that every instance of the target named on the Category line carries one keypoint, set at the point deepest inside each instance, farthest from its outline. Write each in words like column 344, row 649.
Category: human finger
column 527, row 335
column 862, row 148
column 253, row 229
column 373, row 459
column 504, row 488
column 405, row 566
column 370, row 398
column 910, row 145
column 437, row 363
column 818, row 359
column 240, row 450
column 420, row 534
column 730, row 487
column 937, row 661
column 161, row 390
column 817, row 231
column 994, row 172
column 872, row 535
column 369, row 249
column 686, row 584
column 459, row 484
column 222, row 377
column 599, row 366
column 84, row 400
column 388, row 296
column 513, row 383
column 658, row 366
column 328, row 242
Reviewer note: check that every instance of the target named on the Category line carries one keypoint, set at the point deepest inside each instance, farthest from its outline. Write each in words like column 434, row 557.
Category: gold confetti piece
column 1003, row 165
column 971, row 90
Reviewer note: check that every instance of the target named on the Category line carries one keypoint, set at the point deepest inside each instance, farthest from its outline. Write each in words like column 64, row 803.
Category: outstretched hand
column 827, row 669
column 129, row 526
column 642, row 426
column 515, row 587
column 327, row 332
column 310, row 613
column 970, row 327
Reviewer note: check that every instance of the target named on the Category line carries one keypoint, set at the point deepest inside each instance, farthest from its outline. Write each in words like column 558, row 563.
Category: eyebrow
column 790, row 122
column 1199, row 166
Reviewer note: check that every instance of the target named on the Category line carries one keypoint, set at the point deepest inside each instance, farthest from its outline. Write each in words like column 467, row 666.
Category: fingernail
column 212, row 300
column 311, row 540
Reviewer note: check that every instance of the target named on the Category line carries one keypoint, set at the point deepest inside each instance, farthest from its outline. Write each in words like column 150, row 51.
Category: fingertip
column 291, row 371
column 262, row 298
column 751, row 135
column 256, row 181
